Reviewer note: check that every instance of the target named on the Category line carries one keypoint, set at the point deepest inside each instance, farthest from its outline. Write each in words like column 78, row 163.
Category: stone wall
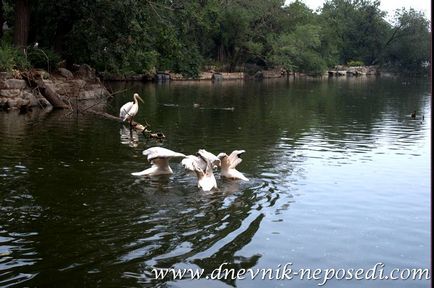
column 210, row 75
column 15, row 93
column 353, row 71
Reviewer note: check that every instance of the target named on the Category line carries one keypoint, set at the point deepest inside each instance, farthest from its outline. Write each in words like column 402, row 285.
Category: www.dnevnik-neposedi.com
column 287, row 272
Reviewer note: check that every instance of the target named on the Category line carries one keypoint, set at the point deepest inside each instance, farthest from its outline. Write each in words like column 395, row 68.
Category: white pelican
column 188, row 161
column 159, row 158
column 206, row 180
column 228, row 164
column 130, row 109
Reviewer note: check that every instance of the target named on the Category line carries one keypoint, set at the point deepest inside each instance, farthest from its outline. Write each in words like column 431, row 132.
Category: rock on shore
column 341, row 70
column 71, row 87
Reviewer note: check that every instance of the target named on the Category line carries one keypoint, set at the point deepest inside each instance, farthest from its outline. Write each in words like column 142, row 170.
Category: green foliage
column 297, row 13
column 299, row 50
column 8, row 11
column 189, row 62
column 127, row 37
column 409, row 49
column 357, row 27
column 11, row 58
column 43, row 58
column 355, row 63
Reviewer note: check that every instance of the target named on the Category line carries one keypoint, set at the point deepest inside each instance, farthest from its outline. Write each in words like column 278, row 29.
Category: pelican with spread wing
column 159, row 158
column 205, row 177
column 228, row 164
column 189, row 160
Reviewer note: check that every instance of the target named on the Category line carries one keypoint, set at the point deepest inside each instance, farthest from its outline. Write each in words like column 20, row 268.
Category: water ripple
column 329, row 183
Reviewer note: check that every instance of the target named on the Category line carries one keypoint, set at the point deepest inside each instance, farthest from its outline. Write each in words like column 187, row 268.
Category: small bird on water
column 413, row 115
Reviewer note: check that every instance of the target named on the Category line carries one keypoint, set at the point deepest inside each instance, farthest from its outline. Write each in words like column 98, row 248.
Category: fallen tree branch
column 134, row 125
column 35, row 81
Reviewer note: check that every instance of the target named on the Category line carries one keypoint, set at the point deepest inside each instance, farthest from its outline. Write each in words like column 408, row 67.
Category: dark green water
column 339, row 178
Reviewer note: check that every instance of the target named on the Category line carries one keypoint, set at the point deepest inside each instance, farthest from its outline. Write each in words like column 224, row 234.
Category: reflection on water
column 339, row 177
column 129, row 136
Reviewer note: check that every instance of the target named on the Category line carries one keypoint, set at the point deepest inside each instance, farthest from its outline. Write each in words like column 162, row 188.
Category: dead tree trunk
column 50, row 94
column 35, row 81
column 22, row 23
column 136, row 126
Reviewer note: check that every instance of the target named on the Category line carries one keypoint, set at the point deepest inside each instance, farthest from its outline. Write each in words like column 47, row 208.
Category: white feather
column 130, row 109
column 159, row 158
column 228, row 164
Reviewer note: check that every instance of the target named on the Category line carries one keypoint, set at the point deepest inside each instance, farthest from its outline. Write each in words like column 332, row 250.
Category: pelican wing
column 124, row 111
column 188, row 161
column 142, row 173
column 234, row 158
column 160, row 152
column 199, row 172
column 134, row 109
column 224, row 161
column 209, row 156
column 206, row 179
column 208, row 170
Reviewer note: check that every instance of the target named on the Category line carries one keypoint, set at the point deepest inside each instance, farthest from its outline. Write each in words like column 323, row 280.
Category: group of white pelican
column 202, row 164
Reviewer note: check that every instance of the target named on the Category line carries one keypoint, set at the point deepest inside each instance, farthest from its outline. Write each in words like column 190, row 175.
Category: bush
column 189, row 63
column 139, row 62
column 11, row 58
column 43, row 58
column 354, row 63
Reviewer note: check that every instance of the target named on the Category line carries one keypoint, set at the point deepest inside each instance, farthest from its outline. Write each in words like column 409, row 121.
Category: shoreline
column 85, row 84
column 211, row 75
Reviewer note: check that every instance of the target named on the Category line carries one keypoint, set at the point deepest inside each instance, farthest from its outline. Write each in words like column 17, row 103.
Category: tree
column 22, row 23
column 299, row 50
column 131, row 36
column 2, row 18
column 408, row 44
column 357, row 27
column 297, row 13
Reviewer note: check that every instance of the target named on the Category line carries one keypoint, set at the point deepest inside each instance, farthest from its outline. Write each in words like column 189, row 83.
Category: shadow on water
column 72, row 214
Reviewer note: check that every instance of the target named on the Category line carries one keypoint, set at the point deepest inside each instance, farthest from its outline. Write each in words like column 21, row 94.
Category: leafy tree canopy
column 141, row 36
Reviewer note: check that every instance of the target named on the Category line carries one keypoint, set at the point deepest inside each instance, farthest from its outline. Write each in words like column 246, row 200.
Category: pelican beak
column 141, row 100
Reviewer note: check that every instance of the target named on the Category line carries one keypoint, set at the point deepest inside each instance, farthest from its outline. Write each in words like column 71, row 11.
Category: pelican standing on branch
column 130, row 109
column 159, row 158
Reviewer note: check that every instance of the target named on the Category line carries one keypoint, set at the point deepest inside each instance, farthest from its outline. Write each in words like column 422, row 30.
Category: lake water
column 339, row 178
